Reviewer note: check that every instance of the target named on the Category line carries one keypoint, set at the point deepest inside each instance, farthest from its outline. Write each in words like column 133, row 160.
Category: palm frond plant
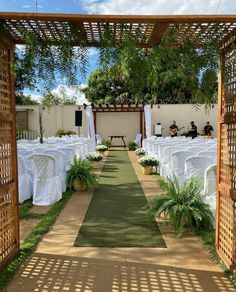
column 80, row 176
column 183, row 206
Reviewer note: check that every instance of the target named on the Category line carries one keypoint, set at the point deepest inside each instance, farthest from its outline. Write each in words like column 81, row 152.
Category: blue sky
column 120, row 7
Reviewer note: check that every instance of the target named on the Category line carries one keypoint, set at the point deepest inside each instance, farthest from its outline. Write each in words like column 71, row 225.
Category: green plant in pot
column 147, row 163
column 140, row 152
column 106, row 143
column 182, row 205
column 132, row 145
column 101, row 148
column 94, row 156
column 80, row 176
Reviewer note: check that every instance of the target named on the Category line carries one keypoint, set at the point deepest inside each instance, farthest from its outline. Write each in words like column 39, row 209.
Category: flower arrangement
column 101, row 148
column 94, row 156
column 140, row 152
column 148, row 161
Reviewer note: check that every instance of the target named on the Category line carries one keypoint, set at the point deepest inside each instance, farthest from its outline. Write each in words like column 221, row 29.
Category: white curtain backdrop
column 148, row 120
column 90, row 125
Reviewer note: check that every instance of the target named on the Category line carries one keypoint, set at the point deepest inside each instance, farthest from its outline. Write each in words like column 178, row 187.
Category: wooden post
column 95, row 121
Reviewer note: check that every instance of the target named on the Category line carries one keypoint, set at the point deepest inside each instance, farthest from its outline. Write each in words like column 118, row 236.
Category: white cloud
column 72, row 92
column 158, row 7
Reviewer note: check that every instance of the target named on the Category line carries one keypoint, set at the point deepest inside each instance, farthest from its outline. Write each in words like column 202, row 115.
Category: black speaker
column 78, row 118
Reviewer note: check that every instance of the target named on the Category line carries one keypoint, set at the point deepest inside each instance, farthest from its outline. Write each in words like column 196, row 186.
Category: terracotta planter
column 147, row 170
column 79, row 185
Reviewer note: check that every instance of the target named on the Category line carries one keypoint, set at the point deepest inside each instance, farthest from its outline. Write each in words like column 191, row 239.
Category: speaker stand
column 78, row 131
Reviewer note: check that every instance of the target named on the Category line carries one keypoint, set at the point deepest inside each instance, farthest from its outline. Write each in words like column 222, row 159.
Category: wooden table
column 119, row 137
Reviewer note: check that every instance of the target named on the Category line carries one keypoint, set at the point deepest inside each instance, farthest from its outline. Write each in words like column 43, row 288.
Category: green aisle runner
column 115, row 217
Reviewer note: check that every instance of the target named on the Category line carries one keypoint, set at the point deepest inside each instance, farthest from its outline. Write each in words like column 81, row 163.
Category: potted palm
column 147, row 163
column 140, row 152
column 101, row 148
column 80, row 176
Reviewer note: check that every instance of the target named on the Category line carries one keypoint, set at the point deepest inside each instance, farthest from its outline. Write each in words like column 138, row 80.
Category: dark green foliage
column 62, row 132
column 164, row 74
column 81, row 170
column 182, row 206
column 22, row 99
column 107, row 143
column 132, row 145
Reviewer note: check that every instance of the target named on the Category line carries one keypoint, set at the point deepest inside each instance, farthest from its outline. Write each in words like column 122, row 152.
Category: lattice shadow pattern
column 44, row 273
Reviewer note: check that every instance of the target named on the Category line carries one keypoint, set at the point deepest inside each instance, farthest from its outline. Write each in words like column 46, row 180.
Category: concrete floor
column 185, row 265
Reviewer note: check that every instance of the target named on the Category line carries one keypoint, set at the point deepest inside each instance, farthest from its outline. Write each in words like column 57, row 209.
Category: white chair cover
column 98, row 139
column 138, row 139
column 60, row 160
column 211, row 154
column 70, row 154
column 209, row 181
column 24, row 184
column 177, row 165
column 195, row 166
column 47, row 186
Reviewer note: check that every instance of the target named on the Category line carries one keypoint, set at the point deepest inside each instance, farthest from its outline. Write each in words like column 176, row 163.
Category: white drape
column 90, row 125
column 148, row 120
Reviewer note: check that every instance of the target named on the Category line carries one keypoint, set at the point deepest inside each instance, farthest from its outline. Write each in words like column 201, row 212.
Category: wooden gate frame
column 226, row 155
column 154, row 28
column 9, row 212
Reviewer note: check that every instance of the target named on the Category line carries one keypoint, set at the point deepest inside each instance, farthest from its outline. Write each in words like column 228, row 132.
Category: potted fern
column 80, row 176
column 132, row 145
column 183, row 206
column 147, row 163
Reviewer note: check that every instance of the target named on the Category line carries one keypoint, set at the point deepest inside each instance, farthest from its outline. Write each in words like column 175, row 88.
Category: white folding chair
column 70, row 154
column 177, row 165
column 138, row 139
column 60, row 159
column 195, row 166
column 24, row 183
column 47, row 186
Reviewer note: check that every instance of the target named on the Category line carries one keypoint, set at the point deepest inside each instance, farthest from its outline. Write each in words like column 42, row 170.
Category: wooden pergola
column 220, row 29
column 120, row 109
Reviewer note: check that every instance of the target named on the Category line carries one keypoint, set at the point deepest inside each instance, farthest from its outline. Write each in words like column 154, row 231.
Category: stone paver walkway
column 58, row 266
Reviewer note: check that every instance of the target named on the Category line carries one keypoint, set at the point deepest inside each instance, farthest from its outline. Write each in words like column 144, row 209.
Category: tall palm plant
column 183, row 206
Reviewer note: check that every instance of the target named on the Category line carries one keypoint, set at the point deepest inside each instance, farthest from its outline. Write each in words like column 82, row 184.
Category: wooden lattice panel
column 9, row 237
column 90, row 28
column 226, row 196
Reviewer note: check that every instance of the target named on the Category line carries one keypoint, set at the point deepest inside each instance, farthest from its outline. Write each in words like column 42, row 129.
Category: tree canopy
column 164, row 74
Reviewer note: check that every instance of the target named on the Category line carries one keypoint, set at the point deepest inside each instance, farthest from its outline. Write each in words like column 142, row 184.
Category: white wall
column 63, row 117
column 183, row 114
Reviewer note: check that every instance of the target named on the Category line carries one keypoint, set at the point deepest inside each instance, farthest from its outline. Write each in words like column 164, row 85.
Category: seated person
column 174, row 129
column 192, row 132
column 208, row 129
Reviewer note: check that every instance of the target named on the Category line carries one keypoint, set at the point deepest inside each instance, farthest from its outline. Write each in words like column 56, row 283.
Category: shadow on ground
column 43, row 272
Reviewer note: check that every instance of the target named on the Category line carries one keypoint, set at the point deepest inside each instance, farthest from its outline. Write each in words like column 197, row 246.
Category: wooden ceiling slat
column 159, row 31
column 200, row 28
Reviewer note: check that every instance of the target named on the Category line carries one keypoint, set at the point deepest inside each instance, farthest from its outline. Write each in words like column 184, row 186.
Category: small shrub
column 101, row 147
column 62, row 132
column 183, row 206
column 148, row 161
column 132, row 145
column 140, row 151
column 94, row 156
column 106, row 143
